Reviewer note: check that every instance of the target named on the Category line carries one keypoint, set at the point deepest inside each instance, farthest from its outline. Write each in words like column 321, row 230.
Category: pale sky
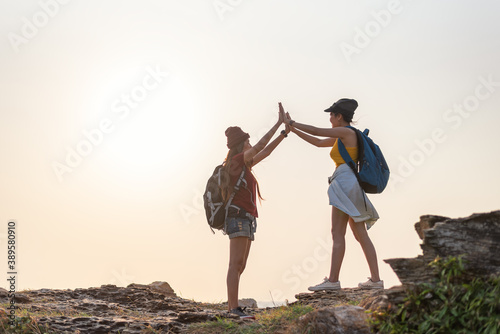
column 113, row 114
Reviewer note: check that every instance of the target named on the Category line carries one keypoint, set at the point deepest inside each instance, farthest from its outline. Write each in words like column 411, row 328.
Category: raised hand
column 281, row 113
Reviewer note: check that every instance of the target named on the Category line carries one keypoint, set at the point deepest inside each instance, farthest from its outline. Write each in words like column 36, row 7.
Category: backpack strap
column 345, row 155
column 237, row 186
column 235, row 190
column 347, row 158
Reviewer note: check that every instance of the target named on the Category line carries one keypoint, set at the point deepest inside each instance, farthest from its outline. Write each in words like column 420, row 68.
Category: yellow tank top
column 337, row 158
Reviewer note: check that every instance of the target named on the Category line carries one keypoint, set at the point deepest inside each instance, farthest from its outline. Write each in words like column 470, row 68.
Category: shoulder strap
column 345, row 155
column 236, row 188
column 347, row 158
column 240, row 179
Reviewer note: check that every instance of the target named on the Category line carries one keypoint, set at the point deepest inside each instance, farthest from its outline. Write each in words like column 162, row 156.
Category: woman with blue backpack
column 240, row 224
column 350, row 205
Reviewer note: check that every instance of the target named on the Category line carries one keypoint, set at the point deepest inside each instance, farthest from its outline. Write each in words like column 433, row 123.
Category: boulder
column 320, row 299
column 385, row 300
column 426, row 222
column 162, row 287
column 244, row 302
column 18, row 297
column 248, row 302
column 475, row 237
column 336, row 320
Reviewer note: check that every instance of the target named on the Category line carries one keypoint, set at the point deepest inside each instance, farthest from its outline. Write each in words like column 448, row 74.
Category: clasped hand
column 284, row 118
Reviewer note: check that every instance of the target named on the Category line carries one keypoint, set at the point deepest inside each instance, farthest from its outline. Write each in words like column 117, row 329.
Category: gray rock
column 426, row 222
column 248, row 302
column 476, row 237
column 162, row 287
column 320, row 299
column 384, row 300
column 18, row 297
column 111, row 309
column 336, row 320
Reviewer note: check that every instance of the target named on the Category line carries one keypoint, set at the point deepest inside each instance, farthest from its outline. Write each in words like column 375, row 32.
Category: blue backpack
column 371, row 170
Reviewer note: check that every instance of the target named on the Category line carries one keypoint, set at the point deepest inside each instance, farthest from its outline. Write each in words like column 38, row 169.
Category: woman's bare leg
column 239, row 248
column 361, row 235
column 339, row 226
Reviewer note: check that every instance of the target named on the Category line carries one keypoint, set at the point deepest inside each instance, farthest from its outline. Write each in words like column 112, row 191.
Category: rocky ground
column 137, row 308
column 155, row 308
column 152, row 308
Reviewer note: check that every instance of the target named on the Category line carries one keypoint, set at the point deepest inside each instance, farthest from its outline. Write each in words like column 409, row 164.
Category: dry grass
column 278, row 320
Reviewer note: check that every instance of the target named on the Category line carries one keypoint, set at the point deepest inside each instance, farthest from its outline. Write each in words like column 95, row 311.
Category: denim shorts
column 241, row 227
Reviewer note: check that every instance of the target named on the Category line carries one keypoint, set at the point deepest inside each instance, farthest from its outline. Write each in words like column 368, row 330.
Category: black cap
column 343, row 105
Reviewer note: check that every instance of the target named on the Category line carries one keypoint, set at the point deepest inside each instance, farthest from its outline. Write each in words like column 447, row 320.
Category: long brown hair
column 229, row 170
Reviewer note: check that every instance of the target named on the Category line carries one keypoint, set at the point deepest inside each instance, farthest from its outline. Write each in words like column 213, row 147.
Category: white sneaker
column 371, row 284
column 325, row 285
